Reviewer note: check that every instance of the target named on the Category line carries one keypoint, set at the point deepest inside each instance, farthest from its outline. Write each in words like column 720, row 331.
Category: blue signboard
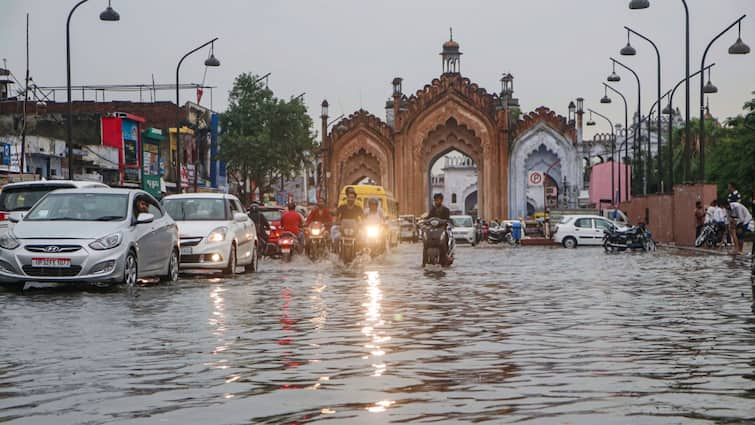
column 130, row 130
column 6, row 154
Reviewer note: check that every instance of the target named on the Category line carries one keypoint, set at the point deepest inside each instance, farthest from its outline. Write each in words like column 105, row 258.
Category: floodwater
column 507, row 335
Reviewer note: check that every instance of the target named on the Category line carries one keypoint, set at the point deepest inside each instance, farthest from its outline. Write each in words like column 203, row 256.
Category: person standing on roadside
column 699, row 218
column 733, row 195
column 742, row 222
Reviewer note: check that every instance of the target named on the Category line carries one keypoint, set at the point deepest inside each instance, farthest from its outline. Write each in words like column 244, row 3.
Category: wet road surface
column 507, row 335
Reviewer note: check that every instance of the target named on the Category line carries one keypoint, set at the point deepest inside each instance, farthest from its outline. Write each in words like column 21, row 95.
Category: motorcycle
column 347, row 244
column 636, row 237
column 438, row 244
column 316, row 241
column 288, row 244
column 710, row 236
column 500, row 234
column 374, row 239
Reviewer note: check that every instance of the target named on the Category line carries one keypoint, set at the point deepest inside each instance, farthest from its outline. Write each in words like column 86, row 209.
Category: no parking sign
column 535, row 178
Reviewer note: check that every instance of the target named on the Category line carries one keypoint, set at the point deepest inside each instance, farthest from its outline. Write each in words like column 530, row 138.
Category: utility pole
column 26, row 95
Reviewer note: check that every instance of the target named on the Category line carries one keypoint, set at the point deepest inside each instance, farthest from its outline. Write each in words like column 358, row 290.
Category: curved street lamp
column 614, row 77
column 110, row 15
column 613, row 153
column 637, row 147
column 626, row 145
column 628, row 50
column 210, row 61
column 738, row 48
column 658, row 93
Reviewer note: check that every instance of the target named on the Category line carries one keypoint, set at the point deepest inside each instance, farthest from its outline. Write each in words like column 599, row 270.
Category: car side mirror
column 144, row 218
column 15, row 217
column 240, row 217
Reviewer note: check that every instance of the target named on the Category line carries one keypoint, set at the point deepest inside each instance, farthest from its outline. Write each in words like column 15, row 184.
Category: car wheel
column 231, row 268
column 569, row 242
column 173, row 265
column 130, row 269
column 252, row 267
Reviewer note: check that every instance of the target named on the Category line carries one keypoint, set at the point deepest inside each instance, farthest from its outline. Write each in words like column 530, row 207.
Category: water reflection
column 373, row 324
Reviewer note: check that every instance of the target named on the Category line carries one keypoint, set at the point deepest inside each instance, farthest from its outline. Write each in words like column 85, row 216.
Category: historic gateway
column 453, row 113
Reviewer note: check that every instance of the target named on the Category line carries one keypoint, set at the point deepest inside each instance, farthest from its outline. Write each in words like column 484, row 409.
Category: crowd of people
column 730, row 217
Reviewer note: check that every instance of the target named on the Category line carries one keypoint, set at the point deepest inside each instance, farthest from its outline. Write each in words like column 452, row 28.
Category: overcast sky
column 348, row 51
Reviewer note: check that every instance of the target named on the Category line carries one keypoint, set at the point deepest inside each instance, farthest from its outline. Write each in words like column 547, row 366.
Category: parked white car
column 215, row 232
column 21, row 196
column 575, row 230
column 90, row 235
column 464, row 229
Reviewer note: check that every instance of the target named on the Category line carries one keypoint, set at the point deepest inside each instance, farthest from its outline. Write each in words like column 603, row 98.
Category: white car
column 575, row 230
column 214, row 230
column 464, row 229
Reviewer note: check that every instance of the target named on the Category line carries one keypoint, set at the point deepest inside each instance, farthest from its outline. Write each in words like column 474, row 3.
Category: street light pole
column 211, row 61
column 626, row 145
column 738, row 48
column 670, row 111
column 658, row 101
column 613, row 150
column 107, row 15
column 637, row 147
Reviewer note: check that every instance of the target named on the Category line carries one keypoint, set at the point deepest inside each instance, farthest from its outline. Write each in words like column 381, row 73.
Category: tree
column 263, row 137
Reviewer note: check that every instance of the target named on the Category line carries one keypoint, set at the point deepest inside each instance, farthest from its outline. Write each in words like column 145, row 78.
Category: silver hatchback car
column 90, row 235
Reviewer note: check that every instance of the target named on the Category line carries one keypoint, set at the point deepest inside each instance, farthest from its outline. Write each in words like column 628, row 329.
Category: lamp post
column 324, row 147
column 644, row 4
column 738, row 48
column 613, row 153
column 211, row 61
column 669, row 110
column 109, row 15
column 626, row 145
column 635, row 146
column 658, row 101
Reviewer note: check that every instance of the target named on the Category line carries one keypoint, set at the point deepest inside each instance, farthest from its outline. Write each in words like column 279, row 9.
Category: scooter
column 316, row 241
column 374, row 239
column 501, row 233
column 347, row 244
column 288, row 244
column 438, row 244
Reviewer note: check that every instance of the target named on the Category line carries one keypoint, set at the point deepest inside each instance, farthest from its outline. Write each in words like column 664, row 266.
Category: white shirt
column 719, row 215
column 709, row 213
column 740, row 213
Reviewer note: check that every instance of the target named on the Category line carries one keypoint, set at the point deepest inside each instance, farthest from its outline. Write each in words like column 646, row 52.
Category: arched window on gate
column 453, row 198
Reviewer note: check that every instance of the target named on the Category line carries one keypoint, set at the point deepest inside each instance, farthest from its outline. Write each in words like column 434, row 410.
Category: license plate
column 285, row 250
column 51, row 262
column 186, row 250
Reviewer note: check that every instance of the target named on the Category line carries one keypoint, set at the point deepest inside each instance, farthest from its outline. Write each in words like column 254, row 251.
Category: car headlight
column 107, row 242
column 217, row 235
column 8, row 241
column 373, row 231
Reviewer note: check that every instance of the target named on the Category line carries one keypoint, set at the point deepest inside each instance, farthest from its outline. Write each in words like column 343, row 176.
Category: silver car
column 90, row 235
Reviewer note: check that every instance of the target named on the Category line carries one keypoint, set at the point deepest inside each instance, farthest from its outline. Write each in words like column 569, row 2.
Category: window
column 80, row 207
column 584, row 223
column 453, row 198
column 155, row 210
column 190, row 209
column 603, row 225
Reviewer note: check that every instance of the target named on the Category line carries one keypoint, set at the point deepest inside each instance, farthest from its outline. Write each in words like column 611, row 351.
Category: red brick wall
column 685, row 197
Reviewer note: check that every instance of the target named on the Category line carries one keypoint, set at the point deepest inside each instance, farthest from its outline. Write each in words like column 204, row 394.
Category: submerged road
column 507, row 335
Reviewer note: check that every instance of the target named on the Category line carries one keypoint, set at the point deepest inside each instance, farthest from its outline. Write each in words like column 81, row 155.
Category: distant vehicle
column 21, row 196
column 273, row 216
column 575, row 230
column 408, row 230
column 215, row 232
column 90, row 235
column 463, row 229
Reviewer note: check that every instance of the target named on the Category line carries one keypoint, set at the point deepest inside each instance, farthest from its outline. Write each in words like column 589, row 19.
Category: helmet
column 372, row 201
column 254, row 207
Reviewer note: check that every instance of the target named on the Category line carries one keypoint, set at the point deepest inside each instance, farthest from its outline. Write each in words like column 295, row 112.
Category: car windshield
column 272, row 215
column 80, row 207
column 24, row 197
column 462, row 221
column 196, row 209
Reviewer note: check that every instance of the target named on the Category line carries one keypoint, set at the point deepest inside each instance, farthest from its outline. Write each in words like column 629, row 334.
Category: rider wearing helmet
column 260, row 222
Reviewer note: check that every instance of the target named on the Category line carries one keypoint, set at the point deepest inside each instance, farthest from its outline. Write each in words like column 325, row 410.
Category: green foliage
column 730, row 155
column 262, row 137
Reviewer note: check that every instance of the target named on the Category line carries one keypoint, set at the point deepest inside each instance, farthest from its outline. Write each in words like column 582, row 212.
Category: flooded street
column 527, row 335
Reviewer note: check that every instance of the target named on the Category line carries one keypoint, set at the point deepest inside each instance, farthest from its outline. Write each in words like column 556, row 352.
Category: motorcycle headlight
column 434, row 223
column 373, row 231
column 107, row 242
column 316, row 232
column 217, row 235
column 8, row 241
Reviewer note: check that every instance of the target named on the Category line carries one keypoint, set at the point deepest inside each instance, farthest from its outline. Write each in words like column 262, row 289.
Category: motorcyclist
column 349, row 211
column 260, row 222
column 320, row 214
column 438, row 210
column 292, row 222
column 374, row 214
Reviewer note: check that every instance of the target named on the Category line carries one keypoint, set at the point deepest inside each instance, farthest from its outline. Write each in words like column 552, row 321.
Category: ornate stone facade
column 450, row 113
